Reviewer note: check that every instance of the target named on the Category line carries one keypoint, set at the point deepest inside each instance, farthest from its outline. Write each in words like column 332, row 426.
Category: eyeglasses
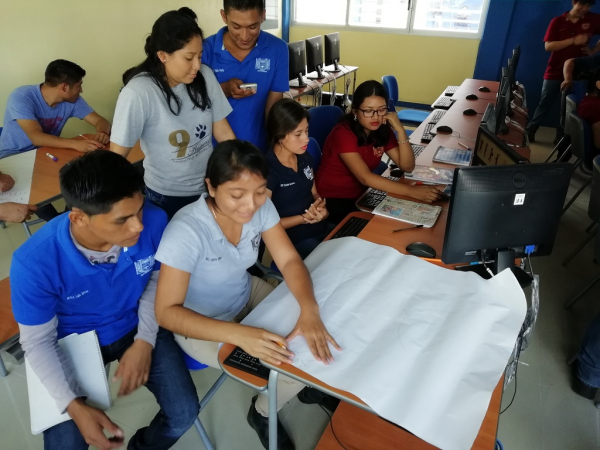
column 370, row 112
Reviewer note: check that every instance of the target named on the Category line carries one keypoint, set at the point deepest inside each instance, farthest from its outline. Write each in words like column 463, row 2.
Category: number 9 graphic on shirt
column 181, row 140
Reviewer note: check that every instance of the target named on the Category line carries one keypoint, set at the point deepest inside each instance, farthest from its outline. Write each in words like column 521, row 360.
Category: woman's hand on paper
column 269, row 347
column 92, row 422
column 134, row 367
column 426, row 193
column 317, row 337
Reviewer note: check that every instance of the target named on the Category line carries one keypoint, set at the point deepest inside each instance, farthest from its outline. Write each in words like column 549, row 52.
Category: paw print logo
column 200, row 131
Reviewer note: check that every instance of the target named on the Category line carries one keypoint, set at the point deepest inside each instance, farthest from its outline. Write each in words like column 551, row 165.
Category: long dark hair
column 230, row 158
column 377, row 137
column 284, row 117
column 171, row 32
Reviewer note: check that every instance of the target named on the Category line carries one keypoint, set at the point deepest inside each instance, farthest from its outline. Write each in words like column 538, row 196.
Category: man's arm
column 568, row 74
column 553, row 46
column 102, row 127
column 40, row 139
column 271, row 99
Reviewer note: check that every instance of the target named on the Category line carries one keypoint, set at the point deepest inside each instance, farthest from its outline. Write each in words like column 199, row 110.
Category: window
column 272, row 15
column 432, row 17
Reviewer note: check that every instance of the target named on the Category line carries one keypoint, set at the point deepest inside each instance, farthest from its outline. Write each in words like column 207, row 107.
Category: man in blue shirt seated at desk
column 240, row 53
column 94, row 269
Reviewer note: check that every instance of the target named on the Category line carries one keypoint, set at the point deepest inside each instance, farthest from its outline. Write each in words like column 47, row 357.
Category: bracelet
column 403, row 142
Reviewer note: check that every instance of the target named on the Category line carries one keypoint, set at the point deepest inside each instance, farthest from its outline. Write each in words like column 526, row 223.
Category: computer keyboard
column 437, row 115
column 246, row 363
column 428, row 134
column 451, row 90
column 352, row 227
column 443, row 103
column 371, row 199
column 417, row 149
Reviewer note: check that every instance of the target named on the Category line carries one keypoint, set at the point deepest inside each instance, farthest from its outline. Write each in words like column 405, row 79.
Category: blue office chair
column 322, row 120
column 407, row 116
column 314, row 150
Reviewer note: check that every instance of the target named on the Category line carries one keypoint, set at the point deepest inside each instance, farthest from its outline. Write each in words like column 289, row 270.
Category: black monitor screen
column 499, row 210
column 297, row 54
column 491, row 151
column 314, row 55
column 332, row 50
column 489, row 118
column 502, row 105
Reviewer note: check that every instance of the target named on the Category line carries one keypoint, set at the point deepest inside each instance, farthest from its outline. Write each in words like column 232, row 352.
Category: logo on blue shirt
column 263, row 65
column 143, row 266
column 308, row 173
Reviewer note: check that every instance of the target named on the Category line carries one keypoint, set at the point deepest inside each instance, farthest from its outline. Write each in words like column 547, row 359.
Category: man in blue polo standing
column 239, row 54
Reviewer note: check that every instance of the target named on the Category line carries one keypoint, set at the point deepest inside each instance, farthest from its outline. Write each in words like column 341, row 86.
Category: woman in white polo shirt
column 204, row 290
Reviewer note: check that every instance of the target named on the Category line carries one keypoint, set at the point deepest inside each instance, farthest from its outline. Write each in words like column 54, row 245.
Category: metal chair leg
column 588, row 229
column 578, row 297
column 3, row 371
column 577, row 194
column 273, row 376
column 211, row 392
column 555, row 149
column 578, row 249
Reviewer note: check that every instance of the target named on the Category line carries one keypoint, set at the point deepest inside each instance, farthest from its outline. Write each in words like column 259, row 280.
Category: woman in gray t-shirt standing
column 174, row 106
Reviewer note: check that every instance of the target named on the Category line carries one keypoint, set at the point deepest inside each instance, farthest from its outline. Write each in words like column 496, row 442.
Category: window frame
column 409, row 30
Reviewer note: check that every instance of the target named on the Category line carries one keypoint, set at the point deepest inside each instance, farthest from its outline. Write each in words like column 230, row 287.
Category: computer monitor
column 332, row 51
column 314, row 56
column 491, row 151
column 489, row 118
column 498, row 213
column 297, row 52
column 516, row 55
column 502, row 105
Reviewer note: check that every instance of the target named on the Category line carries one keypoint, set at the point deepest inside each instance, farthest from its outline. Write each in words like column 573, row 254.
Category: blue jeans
column 172, row 386
column 169, row 203
column 589, row 355
column 550, row 93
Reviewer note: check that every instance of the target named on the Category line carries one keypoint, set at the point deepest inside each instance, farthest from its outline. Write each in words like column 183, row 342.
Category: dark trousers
column 171, row 384
column 550, row 94
column 589, row 355
column 168, row 203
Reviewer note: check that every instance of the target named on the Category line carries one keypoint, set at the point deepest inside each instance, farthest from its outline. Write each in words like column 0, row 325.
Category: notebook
column 456, row 156
column 407, row 211
column 431, row 175
column 83, row 352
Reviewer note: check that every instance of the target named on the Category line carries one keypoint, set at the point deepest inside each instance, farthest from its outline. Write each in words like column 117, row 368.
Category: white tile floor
column 545, row 414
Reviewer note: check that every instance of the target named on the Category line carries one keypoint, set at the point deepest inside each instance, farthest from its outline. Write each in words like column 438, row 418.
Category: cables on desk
column 331, row 425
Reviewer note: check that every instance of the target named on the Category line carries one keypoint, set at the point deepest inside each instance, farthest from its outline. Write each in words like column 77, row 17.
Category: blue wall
column 512, row 22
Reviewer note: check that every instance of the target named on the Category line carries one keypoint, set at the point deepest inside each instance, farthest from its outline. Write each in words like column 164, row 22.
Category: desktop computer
column 498, row 213
column 314, row 57
column 297, row 65
column 502, row 105
column 332, row 51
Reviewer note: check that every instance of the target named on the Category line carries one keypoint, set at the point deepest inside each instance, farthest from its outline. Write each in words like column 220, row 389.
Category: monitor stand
column 316, row 75
column 298, row 82
column 504, row 260
column 336, row 67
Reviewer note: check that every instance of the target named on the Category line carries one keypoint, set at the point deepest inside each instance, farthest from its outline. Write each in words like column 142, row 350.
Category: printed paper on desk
column 423, row 346
column 20, row 168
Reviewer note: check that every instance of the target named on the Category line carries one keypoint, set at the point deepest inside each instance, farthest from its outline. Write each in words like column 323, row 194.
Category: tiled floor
column 545, row 414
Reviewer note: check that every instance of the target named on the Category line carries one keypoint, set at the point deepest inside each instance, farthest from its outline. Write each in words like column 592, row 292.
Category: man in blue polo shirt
column 240, row 53
column 94, row 269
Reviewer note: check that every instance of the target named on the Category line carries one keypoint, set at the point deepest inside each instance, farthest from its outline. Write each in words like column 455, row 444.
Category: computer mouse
column 396, row 172
column 472, row 97
column 469, row 112
column 421, row 249
column 444, row 129
column 484, row 89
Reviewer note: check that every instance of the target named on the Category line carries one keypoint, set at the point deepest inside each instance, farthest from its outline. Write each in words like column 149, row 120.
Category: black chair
column 594, row 214
column 582, row 147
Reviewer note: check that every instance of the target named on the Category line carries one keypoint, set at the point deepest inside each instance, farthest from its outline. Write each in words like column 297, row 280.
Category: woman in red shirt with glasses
column 354, row 148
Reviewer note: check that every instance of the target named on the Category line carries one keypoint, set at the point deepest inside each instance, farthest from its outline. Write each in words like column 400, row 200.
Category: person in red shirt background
column 589, row 108
column 355, row 147
column 567, row 37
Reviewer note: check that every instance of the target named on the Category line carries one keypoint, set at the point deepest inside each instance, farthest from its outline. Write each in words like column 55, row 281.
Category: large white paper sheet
column 20, row 167
column 423, row 346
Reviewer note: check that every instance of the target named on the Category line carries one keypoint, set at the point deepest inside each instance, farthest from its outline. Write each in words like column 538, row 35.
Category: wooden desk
column 358, row 430
column 44, row 184
column 9, row 330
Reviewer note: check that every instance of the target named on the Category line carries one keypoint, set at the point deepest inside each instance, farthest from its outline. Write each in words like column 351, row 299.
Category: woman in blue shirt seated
column 204, row 290
column 291, row 182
